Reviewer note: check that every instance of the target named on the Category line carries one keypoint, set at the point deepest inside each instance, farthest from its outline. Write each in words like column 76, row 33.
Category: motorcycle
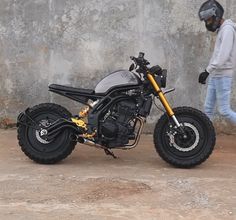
column 113, row 118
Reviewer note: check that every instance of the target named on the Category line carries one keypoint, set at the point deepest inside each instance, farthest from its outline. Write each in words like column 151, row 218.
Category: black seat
column 57, row 87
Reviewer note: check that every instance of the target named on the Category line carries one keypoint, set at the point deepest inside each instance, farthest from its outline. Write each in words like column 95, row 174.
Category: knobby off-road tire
column 38, row 149
column 189, row 152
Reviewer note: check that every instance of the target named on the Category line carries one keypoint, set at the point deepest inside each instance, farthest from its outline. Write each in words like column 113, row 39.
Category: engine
column 117, row 128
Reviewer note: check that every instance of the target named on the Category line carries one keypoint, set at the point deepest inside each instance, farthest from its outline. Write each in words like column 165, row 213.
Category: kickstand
column 109, row 152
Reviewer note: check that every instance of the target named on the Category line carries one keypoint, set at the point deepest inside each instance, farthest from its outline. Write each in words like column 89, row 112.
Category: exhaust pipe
column 126, row 147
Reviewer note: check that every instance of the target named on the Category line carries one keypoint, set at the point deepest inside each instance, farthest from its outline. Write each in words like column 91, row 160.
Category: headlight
column 161, row 78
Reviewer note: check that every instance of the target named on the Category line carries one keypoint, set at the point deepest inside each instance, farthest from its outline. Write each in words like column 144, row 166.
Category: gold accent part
column 161, row 95
column 84, row 112
column 89, row 136
column 80, row 123
column 166, row 104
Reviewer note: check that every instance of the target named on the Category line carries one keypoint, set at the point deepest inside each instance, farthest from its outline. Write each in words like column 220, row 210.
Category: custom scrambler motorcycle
column 113, row 118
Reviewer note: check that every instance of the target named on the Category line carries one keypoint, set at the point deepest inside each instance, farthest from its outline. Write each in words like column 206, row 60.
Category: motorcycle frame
column 108, row 98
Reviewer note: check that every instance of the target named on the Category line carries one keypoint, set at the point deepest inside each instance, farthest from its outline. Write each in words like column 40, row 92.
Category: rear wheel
column 32, row 140
column 190, row 149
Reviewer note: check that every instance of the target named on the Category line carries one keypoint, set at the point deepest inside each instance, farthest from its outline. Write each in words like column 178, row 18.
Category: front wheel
column 188, row 149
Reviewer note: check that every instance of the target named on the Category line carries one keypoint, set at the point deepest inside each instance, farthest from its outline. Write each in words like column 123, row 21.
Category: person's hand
column 202, row 77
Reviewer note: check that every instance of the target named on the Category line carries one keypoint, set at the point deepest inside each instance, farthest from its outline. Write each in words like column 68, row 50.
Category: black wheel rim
column 52, row 146
column 186, row 151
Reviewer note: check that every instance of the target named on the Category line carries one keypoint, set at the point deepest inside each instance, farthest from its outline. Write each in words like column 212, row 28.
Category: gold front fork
column 161, row 95
column 163, row 99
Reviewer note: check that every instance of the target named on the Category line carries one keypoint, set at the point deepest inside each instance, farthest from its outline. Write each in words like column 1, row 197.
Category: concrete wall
column 78, row 42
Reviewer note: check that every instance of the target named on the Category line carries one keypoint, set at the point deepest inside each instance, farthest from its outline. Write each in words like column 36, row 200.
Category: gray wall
column 78, row 42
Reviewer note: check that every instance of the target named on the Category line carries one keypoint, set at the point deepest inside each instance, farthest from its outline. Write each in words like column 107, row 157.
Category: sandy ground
column 137, row 185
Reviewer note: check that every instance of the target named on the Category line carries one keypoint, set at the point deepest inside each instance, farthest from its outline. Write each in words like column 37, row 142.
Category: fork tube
column 162, row 97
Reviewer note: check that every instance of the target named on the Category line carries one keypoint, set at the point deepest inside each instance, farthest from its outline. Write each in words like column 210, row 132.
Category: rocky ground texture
column 138, row 185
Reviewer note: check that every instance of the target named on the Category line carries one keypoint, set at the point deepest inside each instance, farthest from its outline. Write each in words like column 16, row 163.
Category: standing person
column 223, row 61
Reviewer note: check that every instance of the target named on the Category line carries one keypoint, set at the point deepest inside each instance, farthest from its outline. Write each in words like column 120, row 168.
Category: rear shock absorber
column 84, row 112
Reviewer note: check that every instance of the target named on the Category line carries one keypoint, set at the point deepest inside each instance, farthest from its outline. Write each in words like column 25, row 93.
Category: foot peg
column 109, row 152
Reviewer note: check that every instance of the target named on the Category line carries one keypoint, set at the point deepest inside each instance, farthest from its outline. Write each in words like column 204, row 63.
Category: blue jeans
column 218, row 92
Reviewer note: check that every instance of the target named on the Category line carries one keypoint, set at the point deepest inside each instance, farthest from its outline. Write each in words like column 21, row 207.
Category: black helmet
column 211, row 9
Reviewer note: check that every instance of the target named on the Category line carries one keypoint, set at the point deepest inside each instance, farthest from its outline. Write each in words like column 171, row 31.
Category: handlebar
column 141, row 67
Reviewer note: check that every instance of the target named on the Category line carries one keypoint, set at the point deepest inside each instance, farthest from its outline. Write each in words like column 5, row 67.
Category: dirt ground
column 138, row 185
